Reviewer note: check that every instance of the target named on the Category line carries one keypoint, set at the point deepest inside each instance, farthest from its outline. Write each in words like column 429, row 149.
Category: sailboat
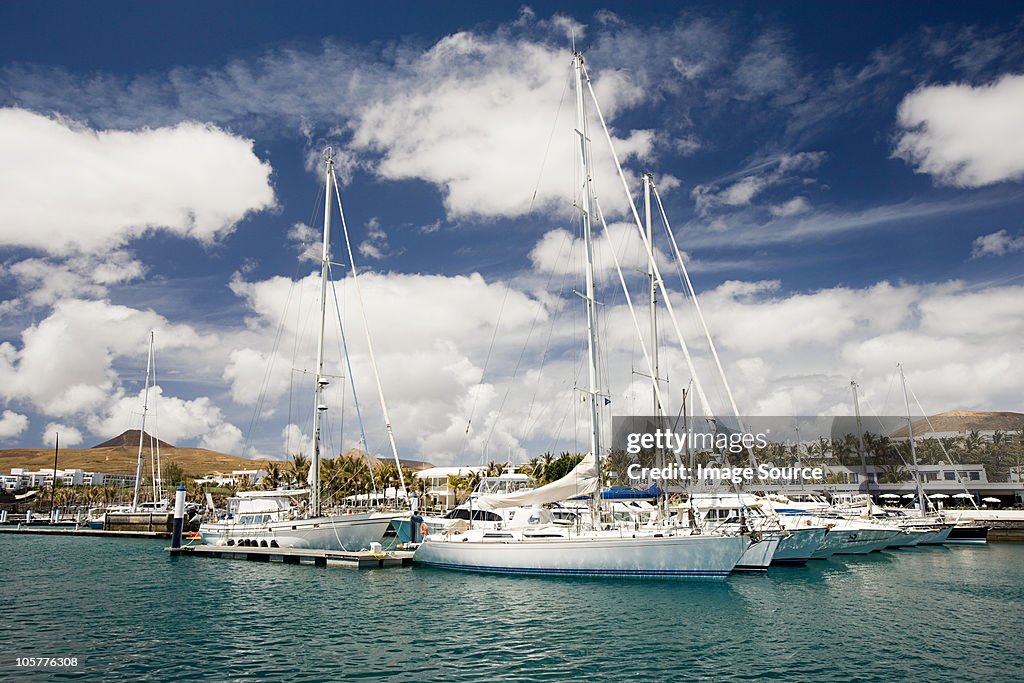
column 275, row 518
column 599, row 548
column 140, row 514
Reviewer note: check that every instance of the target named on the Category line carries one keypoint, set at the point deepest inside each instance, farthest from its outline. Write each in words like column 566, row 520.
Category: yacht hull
column 669, row 557
column 968, row 533
column 758, row 557
column 798, row 545
column 338, row 532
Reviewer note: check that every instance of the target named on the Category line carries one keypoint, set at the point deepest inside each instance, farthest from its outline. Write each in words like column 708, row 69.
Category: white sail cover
column 581, row 481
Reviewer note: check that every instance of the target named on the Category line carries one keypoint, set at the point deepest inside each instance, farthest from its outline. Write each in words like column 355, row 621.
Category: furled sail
column 582, row 480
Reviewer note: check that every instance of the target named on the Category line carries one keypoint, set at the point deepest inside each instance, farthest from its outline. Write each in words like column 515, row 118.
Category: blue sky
column 844, row 179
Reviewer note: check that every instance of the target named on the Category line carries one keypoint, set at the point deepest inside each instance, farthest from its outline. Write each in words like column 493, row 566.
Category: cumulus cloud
column 170, row 419
column 45, row 280
column 67, row 435
column 964, row 135
column 12, row 424
column 64, row 365
column 996, row 244
column 559, row 252
column 191, row 179
column 474, row 108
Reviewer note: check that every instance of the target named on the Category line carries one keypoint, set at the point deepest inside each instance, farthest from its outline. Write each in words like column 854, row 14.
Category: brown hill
column 963, row 421
column 121, row 459
column 414, row 465
column 131, row 438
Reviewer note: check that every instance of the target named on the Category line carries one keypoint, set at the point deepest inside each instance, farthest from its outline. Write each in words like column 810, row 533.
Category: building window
column 950, row 476
column 975, row 476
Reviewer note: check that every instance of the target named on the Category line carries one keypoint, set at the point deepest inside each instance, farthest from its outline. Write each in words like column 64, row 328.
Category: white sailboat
column 601, row 548
column 273, row 518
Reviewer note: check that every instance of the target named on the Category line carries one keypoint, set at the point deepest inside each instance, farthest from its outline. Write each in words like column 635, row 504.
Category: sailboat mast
column 913, row 449
column 587, row 211
column 142, row 429
column 860, row 436
column 321, row 381
column 652, row 291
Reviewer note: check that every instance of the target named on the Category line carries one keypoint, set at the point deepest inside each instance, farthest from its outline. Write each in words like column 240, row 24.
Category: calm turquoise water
column 129, row 612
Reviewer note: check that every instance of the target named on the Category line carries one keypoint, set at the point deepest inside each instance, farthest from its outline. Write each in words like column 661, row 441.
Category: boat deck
column 363, row 559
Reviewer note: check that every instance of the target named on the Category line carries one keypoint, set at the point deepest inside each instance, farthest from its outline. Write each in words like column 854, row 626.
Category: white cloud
column 307, row 241
column 794, row 207
column 12, row 424
column 475, row 108
column 68, row 435
column 996, row 244
column 963, row 135
column 44, row 281
column 170, row 419
column 294, row 441
column 65, row 363
column 560, row 252
column 757, row 180
column 191, row 179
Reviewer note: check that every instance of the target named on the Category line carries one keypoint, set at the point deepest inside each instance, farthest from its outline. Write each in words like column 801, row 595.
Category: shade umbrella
column 991, row 500
column 938, row 495
column 909, row 495
column 964, row 495
column 889, row 495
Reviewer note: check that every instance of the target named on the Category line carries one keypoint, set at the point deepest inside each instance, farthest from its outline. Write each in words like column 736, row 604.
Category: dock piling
column 179, row 516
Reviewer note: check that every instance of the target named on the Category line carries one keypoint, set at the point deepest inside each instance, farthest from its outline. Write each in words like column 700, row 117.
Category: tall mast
column 321, row 381
column 913, row 450
column 860, row 436
column 652, row 291
column 587, row 212
column 142, row 429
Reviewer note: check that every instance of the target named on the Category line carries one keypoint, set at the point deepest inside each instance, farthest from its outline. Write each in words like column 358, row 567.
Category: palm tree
column 273, row 478
column 298, row 469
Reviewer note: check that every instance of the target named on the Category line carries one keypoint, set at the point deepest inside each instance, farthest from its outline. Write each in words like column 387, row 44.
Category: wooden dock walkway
column 363, row 559
column 79, row 531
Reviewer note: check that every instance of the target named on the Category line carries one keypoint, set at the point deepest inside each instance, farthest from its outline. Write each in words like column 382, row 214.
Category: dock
column 363, row 559
column 78, row 531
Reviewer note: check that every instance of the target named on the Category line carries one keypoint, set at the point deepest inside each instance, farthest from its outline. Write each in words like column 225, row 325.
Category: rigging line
column 483, row 373
column 154, row 443
column 551, row 136
column 952, row 460
column 522, row 354
column 700, row 316
column 650, row 255
column 366, row 330
column 629, row 299
column 352, row 381
column 527, row 425
column 261, row 398
column 882, row 427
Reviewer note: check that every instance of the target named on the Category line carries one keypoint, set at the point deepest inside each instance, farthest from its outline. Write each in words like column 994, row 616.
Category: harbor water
column 128, row 612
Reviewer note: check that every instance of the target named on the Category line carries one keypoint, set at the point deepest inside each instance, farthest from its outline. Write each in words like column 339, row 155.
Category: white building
column 438, row 492
column 20, row 478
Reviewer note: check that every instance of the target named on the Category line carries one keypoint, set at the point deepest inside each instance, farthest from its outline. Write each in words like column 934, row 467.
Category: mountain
column 963, row 421
column 414, row 465
column 121, row 459
column 130, row 437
